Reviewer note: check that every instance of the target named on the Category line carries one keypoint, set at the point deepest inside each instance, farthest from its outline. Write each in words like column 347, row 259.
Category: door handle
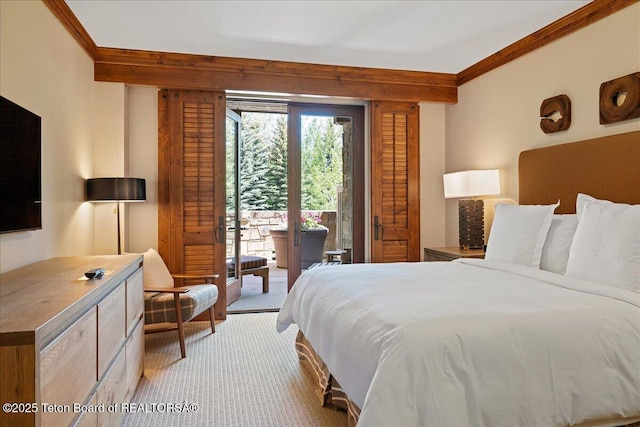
column 378, row 229
column 296, row 234
column 220, row 232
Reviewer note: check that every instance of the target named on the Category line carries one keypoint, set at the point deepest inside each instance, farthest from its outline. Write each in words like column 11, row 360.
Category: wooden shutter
column 395, row 182
column 192, row 185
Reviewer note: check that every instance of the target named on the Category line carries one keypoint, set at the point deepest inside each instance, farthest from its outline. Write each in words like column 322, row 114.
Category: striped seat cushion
column 247, row 262
column 159, row 308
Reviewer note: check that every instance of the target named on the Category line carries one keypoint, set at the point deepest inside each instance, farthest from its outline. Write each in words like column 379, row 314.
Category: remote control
column 96, row 273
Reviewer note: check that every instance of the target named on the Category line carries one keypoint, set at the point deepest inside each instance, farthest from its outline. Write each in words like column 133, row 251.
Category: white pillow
column 555, row 252
column 584, row 199
column 156, row 273
column 606, row 246
column 518, row 233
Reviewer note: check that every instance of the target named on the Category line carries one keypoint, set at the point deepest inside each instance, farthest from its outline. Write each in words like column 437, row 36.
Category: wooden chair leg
column 265, row 283
column 264, row 273
column 212, row 319
column 178, row 307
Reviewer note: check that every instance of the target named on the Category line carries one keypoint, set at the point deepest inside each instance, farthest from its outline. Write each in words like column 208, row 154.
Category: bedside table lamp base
column 471, row 224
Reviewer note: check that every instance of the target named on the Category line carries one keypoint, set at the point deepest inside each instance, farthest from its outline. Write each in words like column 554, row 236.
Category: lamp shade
column 116, row 190
column 471, row 183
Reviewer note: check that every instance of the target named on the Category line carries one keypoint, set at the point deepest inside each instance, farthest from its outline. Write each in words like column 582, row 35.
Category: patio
column 254, row 300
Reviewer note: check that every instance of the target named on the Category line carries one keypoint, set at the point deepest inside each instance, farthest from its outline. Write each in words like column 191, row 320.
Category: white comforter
column 471, row 343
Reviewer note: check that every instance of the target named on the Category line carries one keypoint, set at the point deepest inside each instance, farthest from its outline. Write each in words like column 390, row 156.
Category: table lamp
column 465, row 185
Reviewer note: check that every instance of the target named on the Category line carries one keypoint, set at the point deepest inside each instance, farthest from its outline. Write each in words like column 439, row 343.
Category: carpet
column 244, row 375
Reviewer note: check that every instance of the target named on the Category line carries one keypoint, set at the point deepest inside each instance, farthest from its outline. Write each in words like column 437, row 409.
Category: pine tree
column 277, row 160
column 230, row 168
column 253, row 163
column 263, row 162
column 321, row 163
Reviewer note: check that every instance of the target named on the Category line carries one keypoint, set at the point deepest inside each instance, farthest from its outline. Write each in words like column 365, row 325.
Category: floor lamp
column 116, row 190
column 466, row 185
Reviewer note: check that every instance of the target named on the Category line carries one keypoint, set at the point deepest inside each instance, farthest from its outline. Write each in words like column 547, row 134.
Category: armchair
column 162, row 299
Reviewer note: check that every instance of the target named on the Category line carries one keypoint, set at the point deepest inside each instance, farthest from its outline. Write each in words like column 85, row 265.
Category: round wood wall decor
column 555, row 114
column 620, row 99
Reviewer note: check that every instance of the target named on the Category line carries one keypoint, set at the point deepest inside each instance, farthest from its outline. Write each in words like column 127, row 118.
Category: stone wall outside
column 256, row 237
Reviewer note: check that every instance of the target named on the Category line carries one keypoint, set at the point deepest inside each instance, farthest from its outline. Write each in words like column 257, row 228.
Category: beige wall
column 109, row 160
column 142, row 132
column 497, row 114
column 43, row 69
column 432, row 163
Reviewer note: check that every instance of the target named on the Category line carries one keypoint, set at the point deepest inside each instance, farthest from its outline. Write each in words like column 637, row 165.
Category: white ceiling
column 428, row 35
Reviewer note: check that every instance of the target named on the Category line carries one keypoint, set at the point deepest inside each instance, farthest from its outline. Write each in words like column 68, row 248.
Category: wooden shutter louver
column 395, row 179
column 198, row 161
column 198, row 192
column 198, row 260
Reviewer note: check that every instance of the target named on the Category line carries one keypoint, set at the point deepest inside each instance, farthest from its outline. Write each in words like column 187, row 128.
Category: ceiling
column 429, row 35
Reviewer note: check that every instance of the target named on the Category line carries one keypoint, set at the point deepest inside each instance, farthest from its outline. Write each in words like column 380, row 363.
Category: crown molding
column 61, row 10
column 586, row 15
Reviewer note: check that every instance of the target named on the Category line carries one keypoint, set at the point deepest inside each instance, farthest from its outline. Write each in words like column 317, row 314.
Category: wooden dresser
column 66, row 341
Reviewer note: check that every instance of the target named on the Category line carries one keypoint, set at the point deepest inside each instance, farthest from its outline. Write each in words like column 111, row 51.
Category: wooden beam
column 201, row 72
column 61, row 10
column 586, row 15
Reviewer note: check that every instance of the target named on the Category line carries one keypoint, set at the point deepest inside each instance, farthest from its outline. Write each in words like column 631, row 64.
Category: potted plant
column 312, row 237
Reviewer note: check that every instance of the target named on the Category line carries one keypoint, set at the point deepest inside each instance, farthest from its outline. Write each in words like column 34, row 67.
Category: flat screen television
column 20, row 174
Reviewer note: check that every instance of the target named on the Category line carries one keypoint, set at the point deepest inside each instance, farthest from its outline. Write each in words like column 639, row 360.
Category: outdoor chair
column 255, row 265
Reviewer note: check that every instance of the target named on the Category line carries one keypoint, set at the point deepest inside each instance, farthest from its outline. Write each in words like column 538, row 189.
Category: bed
column 543, row 333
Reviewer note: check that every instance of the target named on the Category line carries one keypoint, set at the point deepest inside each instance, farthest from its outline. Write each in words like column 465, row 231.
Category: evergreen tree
column 230, row 167
column 263, row 162
column 253, row 163
column 321, row 163
column 277, row 160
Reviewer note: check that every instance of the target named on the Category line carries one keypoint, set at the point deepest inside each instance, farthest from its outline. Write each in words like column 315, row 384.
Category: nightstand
column 450, row 253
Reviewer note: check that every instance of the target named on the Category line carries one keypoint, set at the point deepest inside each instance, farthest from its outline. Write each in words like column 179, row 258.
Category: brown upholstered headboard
column 605, row 168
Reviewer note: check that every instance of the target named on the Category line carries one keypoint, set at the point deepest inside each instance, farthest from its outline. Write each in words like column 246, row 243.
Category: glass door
column 326, row 186
column 233, row 206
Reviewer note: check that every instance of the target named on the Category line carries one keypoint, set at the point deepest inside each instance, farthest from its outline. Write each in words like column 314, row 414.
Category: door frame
column 234, row 283
column 294, row 186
